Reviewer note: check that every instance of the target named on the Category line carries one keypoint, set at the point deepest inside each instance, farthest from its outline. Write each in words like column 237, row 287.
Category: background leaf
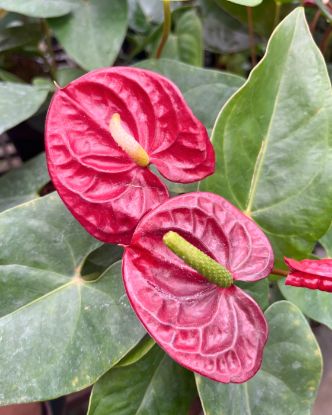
column 222, row 32
column 23, row 184
column 58, row 331
column 38, row 8
column 93, row 33
column 19, row 102
column 288, row 379
column 153, row 385
column 185, row 42
column 273, row 143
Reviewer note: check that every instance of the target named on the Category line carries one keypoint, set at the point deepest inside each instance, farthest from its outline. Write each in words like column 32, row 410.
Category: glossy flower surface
column 99, row 181
column 217, row 332
column 310, row 273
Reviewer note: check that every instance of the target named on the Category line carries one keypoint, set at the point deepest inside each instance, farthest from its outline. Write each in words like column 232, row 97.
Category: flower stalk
column 166, row 27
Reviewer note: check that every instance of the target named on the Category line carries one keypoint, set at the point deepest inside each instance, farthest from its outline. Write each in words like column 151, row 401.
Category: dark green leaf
column 222, row 32
column 326, row 241
column 59, row 333
column 259, row 291
column 19, row 36
column 38, row 8
column 273, row 142
column 19, row 102
column 153, row 385
column 289, row 377
column 263, row 14
column 23, row 184
column 93, row 33
column 143, row 347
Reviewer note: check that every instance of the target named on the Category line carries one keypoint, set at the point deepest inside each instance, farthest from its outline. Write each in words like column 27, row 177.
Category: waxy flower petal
column 217, row 332
column 99, row 182
column 310, row 273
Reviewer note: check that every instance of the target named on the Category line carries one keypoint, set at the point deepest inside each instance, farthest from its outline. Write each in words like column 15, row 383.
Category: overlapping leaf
column 94, row 31
column 273, row 142
column 19, row 102
column 153, row 385
column 58, row 332
column 38, row 8
column 23, row 184
column 289, row 377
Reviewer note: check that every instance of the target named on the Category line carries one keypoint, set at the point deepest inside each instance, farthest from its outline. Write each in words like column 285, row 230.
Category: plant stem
column 314, row 21
column 166, row 27
column 326, row 39
column 281, row 272
column 50, row 59
column 251, row 37
column 277, row 14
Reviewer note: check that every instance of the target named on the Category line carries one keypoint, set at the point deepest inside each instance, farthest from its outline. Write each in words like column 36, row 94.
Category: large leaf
column 93, row 33
column 185, row 42
column 59, row 333
column 19, row 102
column 273, row 142
column 214, row 87
column 153, row 385
column 222, row 32
column 289, row 377
column 23, row 184
column 38, row 8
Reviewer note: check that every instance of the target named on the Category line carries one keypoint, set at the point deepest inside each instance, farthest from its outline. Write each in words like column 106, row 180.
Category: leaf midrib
column 261, row 155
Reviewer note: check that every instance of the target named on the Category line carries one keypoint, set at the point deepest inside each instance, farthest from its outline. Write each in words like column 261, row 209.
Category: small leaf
column 185, row 43
column 153, row 385
column 19, row 36
column 93, row 33
column 22, row 184
column 38, row 8
column 58, row 331
column 273, row 142
column 19, row 102
column 289, row 377
column 143, row 347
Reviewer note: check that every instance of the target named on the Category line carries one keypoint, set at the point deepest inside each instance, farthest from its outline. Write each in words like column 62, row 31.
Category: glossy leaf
column 59, row 332
column 218, row 332
column 289, row 377
column 19, row 102
column 93, row 33
column 140, row 350
column 23, row 184
column 273, row 142
column 222, row 32
column 314, row 304
column 196, row 83
column 153, row 385
column 102, row 186
column 38, row 8
column 185, row 42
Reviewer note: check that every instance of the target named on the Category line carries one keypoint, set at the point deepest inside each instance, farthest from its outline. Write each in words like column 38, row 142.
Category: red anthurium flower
column 315, row 274
column 102, row 132
column 179, row 272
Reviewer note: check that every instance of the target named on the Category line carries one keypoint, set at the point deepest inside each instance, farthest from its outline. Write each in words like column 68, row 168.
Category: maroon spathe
column 310, row 273
column 101, row 185
column 217, row 332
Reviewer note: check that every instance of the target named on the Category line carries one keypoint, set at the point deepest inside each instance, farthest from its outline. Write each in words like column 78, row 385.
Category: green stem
column 198, row 260
column 281, row 272
column 166, row 27
column 251, row 36
column 277, row 14
column 50, row 59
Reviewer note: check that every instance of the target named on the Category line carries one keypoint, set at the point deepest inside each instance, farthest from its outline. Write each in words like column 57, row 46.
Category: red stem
column 281, row 272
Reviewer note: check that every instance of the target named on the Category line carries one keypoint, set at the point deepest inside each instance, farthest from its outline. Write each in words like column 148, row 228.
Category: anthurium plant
column 170, row 252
